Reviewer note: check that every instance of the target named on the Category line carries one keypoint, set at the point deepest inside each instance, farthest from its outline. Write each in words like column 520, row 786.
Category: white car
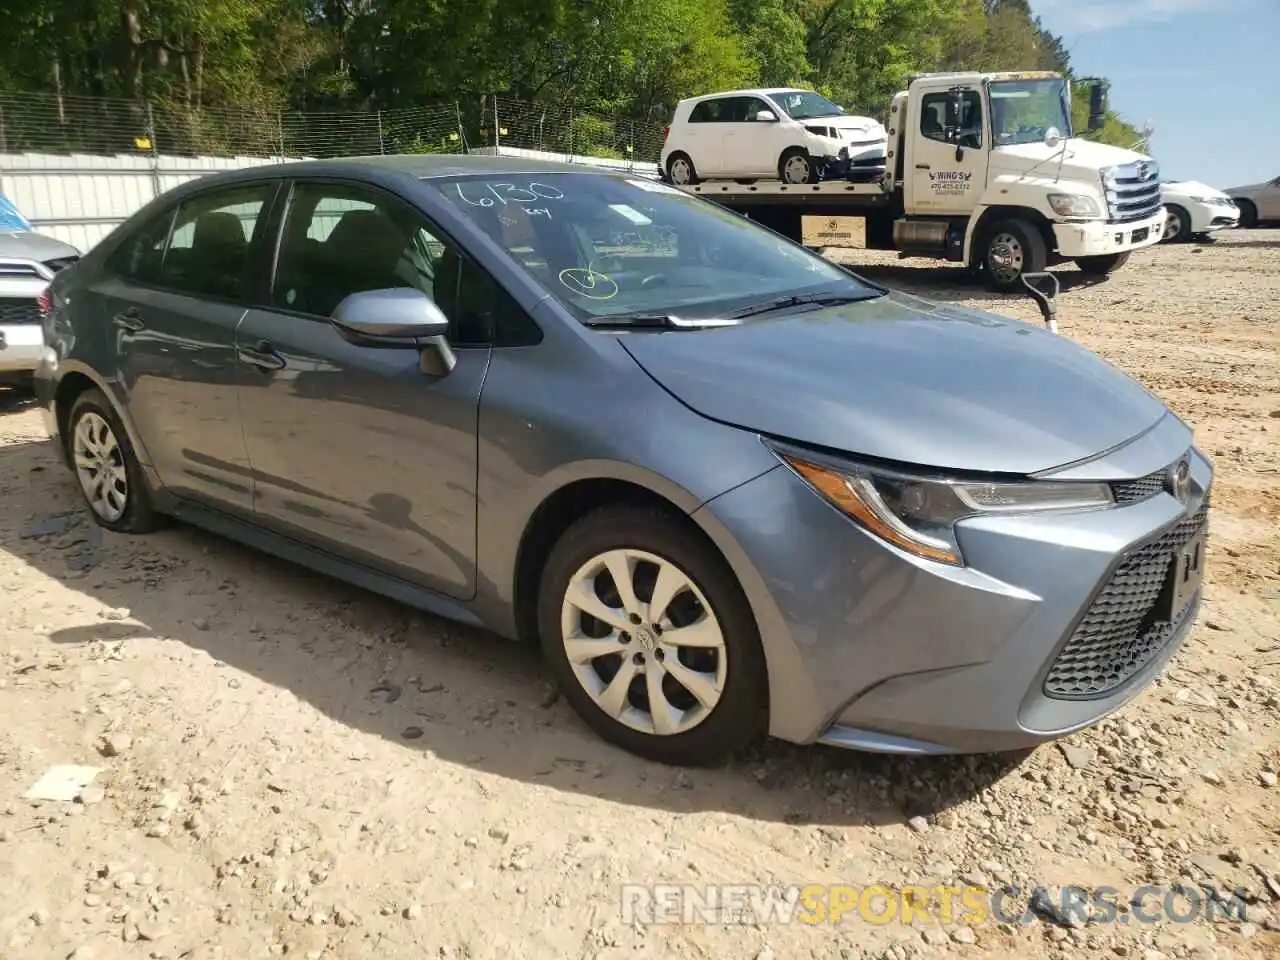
column 796, row 136
column 28, row 261
column 1194, row 210
column 1258, row 202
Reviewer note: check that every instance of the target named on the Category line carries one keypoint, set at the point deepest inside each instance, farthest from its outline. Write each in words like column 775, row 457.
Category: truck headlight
column 1074, row 205
column 919, row 514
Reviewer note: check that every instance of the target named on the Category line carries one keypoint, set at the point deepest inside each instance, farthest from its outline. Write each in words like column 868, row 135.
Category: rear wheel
column 681, row 170
column 1177, row 225
column 1101, row 266
column 650, row 638
column 796, row 166
column 1248, row 214
column 106, row 468
column 1010, row 249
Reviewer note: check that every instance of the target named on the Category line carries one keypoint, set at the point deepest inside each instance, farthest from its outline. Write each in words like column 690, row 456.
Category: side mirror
column 1097, row 105
column 767, row 116
column 400, row 317
column 952, row 113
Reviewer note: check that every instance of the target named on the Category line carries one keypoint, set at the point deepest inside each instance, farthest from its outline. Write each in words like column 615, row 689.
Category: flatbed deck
column 824, row 197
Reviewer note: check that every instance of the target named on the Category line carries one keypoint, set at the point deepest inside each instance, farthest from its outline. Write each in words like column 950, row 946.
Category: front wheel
column 796, row 166
column 1101, row 266
column 1248, row 214
column 650, row 638
column 1012, row 248
column 1177, row 226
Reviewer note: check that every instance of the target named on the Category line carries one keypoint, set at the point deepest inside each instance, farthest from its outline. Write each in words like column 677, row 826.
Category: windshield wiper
column 656, row 321
column 812, row 299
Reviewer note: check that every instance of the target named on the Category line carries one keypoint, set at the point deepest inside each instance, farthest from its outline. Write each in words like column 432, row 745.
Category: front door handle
column 129, row 319
column 263, row 356
column 923, row 166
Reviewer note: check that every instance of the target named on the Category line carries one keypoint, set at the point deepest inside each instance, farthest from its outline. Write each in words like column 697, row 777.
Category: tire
column 796, row 166
column 1101, row 266
column 1010, row 249
column 681, row 161
column 736, row 668
column 1177, row 227
column 1248, row 214
column 95, row 433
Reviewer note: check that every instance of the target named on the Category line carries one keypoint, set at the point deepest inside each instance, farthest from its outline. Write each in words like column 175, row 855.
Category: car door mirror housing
column 399, row 317
column 767, row 116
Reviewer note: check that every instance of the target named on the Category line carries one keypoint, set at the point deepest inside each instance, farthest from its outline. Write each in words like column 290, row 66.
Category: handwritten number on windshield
column 507, row 193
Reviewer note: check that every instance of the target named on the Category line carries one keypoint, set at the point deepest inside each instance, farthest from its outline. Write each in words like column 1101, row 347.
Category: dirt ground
column 290, row 766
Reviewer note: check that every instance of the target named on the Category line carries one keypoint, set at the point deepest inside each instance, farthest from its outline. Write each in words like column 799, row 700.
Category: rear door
column 706, row 135
column 171, row 300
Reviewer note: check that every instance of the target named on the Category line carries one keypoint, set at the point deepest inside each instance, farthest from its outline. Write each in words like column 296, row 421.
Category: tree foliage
column 624, row 58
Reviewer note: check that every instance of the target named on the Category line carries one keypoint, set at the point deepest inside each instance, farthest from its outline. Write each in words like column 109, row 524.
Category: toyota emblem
column 1180, row 480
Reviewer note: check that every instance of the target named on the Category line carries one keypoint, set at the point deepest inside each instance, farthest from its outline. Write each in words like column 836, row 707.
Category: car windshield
column 10, row 219
column 607, row 245
column 1022, row 111
column 804, row 104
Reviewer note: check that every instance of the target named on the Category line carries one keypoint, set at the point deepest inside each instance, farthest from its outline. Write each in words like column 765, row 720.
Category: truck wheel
column 1010, row 249
column 796, row 166
column 1101, row 266
column 1177, row 225
column 680, row 169
column 1248, row 214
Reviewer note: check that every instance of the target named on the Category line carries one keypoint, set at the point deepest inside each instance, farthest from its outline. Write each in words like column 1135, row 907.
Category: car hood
column 1191, row 188
column 904, row 379
column 28, row 245
column 865, row 127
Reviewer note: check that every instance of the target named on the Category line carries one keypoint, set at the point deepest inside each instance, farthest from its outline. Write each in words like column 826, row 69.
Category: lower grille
column 1120, row 635
column 19, row 311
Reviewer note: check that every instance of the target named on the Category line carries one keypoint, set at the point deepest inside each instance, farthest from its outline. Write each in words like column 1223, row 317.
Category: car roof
column 753, row 92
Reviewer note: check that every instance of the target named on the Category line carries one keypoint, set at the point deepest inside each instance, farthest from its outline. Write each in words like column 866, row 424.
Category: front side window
column 933, row 115
column 140, row 257
column 341, row 239
column 1023, row 111
column 805, row 104
column 607, row 245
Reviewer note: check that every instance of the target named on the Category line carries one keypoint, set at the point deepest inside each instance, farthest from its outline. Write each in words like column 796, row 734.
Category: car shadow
column 420, row 681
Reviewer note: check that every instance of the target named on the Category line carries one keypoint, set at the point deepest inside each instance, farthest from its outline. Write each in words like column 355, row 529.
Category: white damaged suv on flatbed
column 28, row 261
column 796, row 136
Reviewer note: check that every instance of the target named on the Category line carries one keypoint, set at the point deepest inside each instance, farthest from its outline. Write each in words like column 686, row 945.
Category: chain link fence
column 51, row 124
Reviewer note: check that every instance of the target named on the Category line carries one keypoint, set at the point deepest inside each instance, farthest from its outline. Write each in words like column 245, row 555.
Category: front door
column 751, row 147
column 172, row 299
column 1269, row 201
column 355, row 449
column 940, row 183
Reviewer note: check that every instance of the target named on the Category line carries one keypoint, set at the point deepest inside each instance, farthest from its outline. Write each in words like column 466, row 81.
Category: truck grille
column 1118, row 636
column 1133, row 191
column 19, row 311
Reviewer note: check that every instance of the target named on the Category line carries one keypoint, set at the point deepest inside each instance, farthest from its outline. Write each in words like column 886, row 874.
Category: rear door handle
column 263, row 356
column 129, row 319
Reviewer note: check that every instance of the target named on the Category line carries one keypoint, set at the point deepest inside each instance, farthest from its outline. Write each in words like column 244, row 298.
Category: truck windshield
column 1022, row 111
column 805, row 104
column 608, row 245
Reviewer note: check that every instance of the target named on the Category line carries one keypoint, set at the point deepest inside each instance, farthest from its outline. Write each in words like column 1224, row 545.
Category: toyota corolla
column 730, row 487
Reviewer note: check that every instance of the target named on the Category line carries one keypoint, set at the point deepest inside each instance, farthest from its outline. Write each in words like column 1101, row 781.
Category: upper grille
column 1120, row 635
column 1133, row 191
column 1131, row 491
column 19, row 311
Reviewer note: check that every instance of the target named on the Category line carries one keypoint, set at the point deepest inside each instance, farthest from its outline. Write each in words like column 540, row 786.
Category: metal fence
column 78, row 166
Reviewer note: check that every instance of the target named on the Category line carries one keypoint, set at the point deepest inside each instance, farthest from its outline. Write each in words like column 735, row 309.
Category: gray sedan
column 730, row 487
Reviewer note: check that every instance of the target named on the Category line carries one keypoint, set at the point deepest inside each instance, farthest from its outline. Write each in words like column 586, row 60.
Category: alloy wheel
column 100, row 467
column 1172, row 226
column 643, row 642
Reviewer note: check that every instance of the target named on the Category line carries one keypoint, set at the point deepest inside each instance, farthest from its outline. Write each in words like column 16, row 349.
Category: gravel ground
column 290, row 766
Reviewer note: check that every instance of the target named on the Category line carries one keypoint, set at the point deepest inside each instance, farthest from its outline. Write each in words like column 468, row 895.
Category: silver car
column 28, row 261
column 729, row 487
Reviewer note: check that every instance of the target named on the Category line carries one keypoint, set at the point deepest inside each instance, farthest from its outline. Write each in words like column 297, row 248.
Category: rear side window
column 710, row 111
column 208, row 252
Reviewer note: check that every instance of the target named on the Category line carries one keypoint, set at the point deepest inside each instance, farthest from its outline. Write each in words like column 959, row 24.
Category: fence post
column 381, row 149
column 280, row 133
column 4, row 139
column 155, row 151
column 496, row 143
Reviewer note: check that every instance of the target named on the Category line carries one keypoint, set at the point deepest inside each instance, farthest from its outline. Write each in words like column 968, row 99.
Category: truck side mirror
column 1097, row 105
column 951, row 115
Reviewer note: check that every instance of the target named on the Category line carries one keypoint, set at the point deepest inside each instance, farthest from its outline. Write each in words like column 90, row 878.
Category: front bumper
column 855, row 162
column 1097, row 238
column 1207, row 218
column 21, row 346
column 872, row 649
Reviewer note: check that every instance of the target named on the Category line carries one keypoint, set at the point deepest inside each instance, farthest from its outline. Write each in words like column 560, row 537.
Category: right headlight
column 1075, row 205
column 919, row 514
